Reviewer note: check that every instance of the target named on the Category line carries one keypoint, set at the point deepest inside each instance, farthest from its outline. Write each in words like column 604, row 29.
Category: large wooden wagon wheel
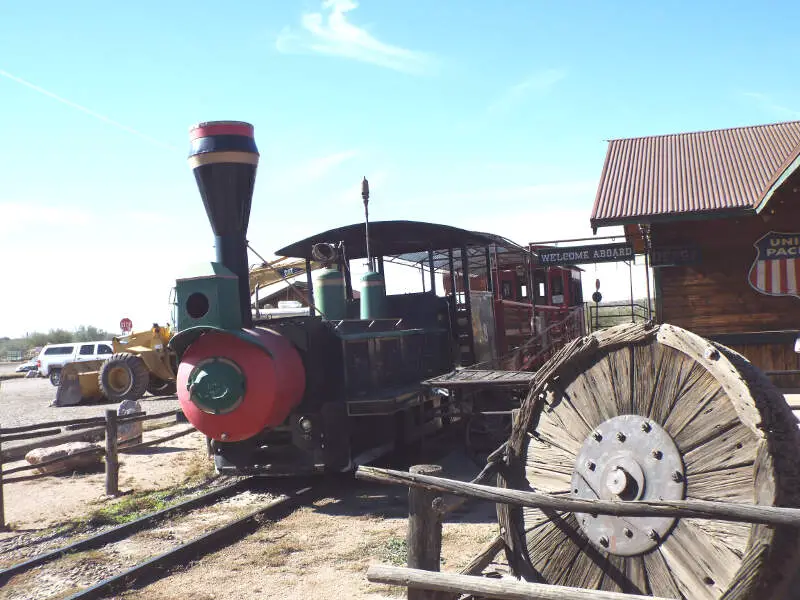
column 648, row 412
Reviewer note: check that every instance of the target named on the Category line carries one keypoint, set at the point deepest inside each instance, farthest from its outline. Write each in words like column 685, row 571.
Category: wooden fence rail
column 166, row 438
column 30, row 435
column 455, row 584
column 111, row 451
column 52, row 461
column 74, row 424
column 68, row 423
column 424, row 581
column 697, row 509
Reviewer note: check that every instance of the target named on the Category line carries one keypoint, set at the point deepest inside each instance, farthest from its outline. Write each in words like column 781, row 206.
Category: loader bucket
column 79, row 384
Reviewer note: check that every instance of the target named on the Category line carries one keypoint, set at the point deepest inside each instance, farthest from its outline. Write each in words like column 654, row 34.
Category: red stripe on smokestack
column 208, row 129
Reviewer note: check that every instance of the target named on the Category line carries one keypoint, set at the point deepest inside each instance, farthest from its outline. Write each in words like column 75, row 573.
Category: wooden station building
column 718, row 215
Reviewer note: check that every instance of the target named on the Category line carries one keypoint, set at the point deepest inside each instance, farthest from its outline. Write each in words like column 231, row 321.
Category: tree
column 59, row 336
column 37, row 339
column 90, row 333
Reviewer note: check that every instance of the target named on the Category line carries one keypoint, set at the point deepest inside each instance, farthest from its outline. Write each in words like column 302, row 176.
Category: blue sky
column 490, row 116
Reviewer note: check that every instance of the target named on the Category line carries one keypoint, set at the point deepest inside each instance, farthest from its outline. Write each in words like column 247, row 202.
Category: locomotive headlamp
column 216, row 386
column 305, row 424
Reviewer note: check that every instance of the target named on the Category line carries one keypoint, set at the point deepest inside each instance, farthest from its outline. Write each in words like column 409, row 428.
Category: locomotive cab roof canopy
column 705, row 174
column 407, row 241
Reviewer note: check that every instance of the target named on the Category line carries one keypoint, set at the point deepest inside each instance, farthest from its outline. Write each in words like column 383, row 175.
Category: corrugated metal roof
column 653, row 178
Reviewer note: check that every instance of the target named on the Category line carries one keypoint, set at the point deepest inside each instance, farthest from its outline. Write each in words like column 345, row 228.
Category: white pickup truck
column 54, row 356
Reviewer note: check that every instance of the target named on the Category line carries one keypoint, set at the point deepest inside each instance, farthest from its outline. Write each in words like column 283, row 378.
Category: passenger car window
column 104, row 349
column 87, row 349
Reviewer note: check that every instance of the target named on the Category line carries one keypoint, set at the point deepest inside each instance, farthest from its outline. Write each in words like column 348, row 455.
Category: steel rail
column 155, row 568
column 124, row 530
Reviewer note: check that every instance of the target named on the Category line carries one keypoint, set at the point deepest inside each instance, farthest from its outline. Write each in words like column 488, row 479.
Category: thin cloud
column 538, row 84
column 329, row 32
column 86, row 110
column 766, row 103
column 306, row 173
column 318, row 168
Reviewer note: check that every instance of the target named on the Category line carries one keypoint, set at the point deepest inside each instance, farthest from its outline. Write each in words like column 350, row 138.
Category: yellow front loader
column 141, row 363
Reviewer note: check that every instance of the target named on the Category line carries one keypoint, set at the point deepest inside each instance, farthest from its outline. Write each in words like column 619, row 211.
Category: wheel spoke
column 702, row 567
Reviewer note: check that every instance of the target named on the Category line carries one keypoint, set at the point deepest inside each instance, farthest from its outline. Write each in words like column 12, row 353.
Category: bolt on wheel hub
column 627, row 458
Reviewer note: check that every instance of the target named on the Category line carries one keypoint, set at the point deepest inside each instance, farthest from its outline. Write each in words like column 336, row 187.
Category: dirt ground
column 27, row 401
column 323, row 551
column 37, row 504
column 319, row 551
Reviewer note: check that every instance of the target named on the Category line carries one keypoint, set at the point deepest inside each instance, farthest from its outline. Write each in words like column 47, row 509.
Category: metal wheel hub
column 628, row 458
column 119, row 379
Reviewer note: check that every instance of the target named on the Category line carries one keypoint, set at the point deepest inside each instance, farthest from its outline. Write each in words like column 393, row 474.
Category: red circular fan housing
column 272, row 376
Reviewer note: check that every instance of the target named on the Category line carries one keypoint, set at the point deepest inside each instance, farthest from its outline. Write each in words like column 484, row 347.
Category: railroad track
column 287, row 496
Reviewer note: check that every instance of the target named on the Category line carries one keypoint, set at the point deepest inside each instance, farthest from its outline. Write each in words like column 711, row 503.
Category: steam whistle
column 373, row 288
column 365, row 197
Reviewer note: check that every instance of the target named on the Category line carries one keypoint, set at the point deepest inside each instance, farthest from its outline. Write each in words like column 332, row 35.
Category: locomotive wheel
column 644, row 412
column 123, row 377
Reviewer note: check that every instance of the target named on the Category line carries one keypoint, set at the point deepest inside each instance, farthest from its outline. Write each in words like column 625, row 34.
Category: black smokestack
column 224, row 158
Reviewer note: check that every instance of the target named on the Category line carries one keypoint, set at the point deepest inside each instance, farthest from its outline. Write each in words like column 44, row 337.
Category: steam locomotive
column 302, row 394
column 340, row 384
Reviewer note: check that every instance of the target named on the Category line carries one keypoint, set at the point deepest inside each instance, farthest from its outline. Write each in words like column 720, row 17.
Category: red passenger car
column 535, row 309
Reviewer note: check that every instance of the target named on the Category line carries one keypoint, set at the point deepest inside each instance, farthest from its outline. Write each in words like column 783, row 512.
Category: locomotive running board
column 464, row 378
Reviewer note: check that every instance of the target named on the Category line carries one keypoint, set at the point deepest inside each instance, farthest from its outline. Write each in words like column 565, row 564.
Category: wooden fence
column 426, row 509
column 107, row 425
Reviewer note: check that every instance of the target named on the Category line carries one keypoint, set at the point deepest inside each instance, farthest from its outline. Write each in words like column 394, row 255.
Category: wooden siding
column 714, row 296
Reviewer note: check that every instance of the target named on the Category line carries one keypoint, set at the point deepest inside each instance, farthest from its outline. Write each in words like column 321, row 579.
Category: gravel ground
column 322, row 551
column 27, row 401
column 39, row 503
column 83, row 569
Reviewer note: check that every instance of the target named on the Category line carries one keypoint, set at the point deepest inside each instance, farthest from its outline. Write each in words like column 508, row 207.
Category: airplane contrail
column 87, row 111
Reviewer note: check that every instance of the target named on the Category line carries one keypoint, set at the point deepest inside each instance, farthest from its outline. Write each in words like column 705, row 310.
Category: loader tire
column 124, row 377
column 159, row 387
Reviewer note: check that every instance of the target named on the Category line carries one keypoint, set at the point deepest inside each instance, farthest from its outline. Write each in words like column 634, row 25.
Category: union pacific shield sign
column 776, row 269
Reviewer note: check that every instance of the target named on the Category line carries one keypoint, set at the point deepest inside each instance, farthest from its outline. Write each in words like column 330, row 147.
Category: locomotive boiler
column 301, row 394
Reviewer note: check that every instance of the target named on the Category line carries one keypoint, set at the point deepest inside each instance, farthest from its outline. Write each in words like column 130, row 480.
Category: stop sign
column 125, row 324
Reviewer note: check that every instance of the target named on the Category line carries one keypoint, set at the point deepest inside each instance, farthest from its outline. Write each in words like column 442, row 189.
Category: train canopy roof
column 408, row 241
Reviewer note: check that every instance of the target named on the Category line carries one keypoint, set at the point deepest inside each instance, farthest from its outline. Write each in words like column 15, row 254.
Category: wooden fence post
column 424, row 531
column 112, row 461
column 2, row 505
